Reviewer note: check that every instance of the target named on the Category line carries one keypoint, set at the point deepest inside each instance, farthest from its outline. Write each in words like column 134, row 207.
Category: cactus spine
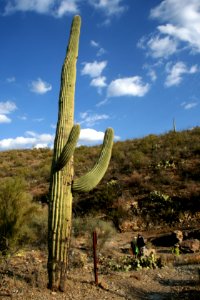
column 62, row 183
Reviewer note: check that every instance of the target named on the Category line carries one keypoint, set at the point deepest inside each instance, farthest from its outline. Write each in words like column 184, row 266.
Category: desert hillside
column 151, row 181
column 151, row 186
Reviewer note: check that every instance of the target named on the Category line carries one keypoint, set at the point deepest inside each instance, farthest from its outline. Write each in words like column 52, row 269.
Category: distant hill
column 150, row 181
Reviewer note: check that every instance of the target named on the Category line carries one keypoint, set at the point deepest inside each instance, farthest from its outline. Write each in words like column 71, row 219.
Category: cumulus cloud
column 40, row 87
column 56, row 8
column 93, row 69
column 176, row 72
column 30, row 140
column 60, row 8
column 99, row 83
column 128, row 86
column 182, row 21
column 6, row 108
column 90, row 119
column 4, row 119
column 67, row 7
column 89, row 135
column 161, row 46
column 109, row 7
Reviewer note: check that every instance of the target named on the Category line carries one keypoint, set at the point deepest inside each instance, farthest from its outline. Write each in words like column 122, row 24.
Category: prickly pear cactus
column 62, row 183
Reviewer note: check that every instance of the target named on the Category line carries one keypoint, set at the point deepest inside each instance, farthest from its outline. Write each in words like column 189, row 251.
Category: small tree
column 16, row 210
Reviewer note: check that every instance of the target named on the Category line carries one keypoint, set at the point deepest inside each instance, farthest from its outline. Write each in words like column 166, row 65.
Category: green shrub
column 129, row 263
column 86, row 226
column 16, row 210
column 38, row 227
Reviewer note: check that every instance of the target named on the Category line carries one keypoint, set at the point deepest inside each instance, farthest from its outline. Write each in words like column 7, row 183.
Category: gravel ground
column 24, row 276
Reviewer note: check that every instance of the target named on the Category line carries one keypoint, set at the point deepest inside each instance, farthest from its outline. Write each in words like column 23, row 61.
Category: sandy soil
column 24, row 276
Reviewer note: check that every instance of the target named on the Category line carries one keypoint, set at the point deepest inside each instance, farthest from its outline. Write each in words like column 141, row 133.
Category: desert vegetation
column 151, row 182
column 151, row 185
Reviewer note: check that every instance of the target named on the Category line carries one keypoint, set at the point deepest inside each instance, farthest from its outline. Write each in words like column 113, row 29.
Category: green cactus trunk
column 62, row 181
column 60, row 205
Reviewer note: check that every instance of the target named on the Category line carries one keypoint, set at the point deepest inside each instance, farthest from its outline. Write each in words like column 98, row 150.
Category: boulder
column 168, row 240
column 190, row 246
column 149, row 252
column 178, row 236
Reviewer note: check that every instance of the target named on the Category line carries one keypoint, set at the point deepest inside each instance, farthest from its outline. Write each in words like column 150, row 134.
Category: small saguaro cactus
column 62, row 182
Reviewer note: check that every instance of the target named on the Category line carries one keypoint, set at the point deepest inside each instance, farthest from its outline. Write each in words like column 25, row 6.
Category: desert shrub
column 160, row 207
column 135, row 180
column 86, row 226
column 117, row 215
column 16, row 210
column 38, row 227
column 43, row 172
column 129, row 263
column 99, row 200
column 139, row 160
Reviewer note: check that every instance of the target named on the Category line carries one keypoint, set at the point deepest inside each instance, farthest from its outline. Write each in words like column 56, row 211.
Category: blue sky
column 138, row 68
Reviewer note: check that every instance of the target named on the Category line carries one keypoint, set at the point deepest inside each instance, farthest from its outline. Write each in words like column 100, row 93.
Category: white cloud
column 150, row 71
column 109, row 7
column 6, row 108
column 30, row 140
column 128, row 86
column 66, row 7
column 90, row 136
column 101, row 51
column 94, row 44
column 99, row 82
column 176, row 72
column 4, row 119
column 56, row 8
column 38, row 120
column 183, row 21
column 161, row 47
column 91, row 119
column 59, row 8
column 152, row 74
column 189, row 105
column 40, row 87
column 16, row 143
column 93, row 69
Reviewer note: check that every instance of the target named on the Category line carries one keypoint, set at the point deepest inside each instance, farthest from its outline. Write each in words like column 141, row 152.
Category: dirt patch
column 24, row 276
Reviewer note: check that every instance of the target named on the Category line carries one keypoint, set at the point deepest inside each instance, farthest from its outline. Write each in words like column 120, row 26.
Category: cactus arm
column 69, row 148
column 88, row 181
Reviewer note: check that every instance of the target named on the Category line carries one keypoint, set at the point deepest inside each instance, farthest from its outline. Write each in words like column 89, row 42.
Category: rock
column 149, row 252
column 178, row 235
column 190, row 246
column 167, row 240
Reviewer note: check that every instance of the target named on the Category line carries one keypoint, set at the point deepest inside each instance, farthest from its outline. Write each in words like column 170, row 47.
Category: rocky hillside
column 151, row 181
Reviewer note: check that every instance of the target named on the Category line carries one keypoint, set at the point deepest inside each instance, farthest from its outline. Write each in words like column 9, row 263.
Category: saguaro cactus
column 62, row 182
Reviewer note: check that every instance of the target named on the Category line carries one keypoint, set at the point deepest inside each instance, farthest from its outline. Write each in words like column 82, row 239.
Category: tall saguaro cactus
column 62, row 182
